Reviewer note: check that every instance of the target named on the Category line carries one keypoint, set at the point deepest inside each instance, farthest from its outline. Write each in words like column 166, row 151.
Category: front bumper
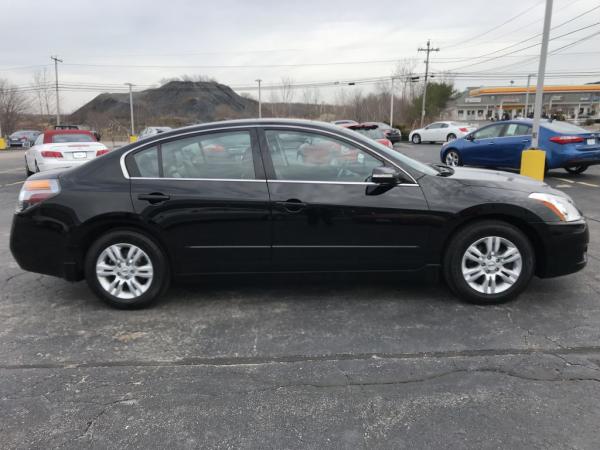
column 562, row 248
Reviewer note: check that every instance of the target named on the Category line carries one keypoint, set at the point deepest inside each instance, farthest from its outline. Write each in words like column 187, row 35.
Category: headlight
column 561, row 206
column 36, row 191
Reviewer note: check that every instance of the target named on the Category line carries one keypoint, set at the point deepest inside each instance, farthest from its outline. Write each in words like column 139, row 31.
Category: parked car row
column 500, row 145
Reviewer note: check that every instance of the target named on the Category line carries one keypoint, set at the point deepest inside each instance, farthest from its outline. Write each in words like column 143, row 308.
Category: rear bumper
column 563, row 248
column 59, row 163
column 41, row 245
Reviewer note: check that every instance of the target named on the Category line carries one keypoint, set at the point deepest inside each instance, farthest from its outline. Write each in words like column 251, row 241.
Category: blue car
column 500, row 144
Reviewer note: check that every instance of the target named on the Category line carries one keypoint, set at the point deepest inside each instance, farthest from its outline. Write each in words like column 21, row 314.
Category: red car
column 370, row 130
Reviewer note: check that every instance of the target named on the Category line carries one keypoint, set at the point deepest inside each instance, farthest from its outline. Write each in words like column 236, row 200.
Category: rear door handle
column 293, row 205
column 154, row 197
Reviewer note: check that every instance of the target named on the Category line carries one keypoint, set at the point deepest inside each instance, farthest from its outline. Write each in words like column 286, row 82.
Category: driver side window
column 492, row 131
column 302, row 156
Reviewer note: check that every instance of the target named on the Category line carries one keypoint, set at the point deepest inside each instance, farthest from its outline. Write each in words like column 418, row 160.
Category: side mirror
column 470, row 137
column 384, row 175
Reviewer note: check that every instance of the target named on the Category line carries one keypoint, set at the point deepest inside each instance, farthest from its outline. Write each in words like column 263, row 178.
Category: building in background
column 574, row 103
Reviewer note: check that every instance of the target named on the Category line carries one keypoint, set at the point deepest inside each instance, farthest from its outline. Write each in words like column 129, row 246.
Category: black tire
column 27, row 171
column 161, row 272
column 460, row 242
column 37, row 168
column 416, row 139
column 576, row 170
column 450, row 137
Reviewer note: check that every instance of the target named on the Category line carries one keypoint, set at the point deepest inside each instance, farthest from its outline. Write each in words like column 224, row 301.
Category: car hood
column 498, row 179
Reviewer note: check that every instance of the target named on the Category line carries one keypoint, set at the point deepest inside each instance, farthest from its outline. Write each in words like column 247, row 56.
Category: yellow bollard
column 133, row 138
column 532, row 163
column 2, row 143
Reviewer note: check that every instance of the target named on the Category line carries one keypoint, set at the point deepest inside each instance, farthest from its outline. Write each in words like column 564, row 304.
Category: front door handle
column 293, row 205
column 154, row 197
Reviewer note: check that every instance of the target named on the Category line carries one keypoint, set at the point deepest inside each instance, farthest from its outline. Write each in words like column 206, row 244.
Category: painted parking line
column 12, row 184
column 571, row 182
column 588, row 184
column 566, row 180
column 18, row 169
column 563, row 186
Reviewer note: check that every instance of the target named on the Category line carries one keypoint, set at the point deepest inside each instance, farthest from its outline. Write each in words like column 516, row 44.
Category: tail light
column 463, row 129
column 51, row 154
column 36, row 191
column 566, row 139
column 102, row 152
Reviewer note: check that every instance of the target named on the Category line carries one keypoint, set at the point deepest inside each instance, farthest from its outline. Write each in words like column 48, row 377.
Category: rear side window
column 517, row 129
column 225, row 155
column 72, row 137
column 146, row 163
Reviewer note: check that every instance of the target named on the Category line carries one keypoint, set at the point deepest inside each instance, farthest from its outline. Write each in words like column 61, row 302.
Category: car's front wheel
column 127, row 269
column 453, row 158
column 489, row 262
column 575, row 170
column 416, row 139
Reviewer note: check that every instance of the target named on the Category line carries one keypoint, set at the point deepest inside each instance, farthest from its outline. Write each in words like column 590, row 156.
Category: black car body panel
column 270, row 225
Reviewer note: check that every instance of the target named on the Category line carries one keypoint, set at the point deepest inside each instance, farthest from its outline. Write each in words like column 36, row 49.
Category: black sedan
column 23, row 138
column 172, row 206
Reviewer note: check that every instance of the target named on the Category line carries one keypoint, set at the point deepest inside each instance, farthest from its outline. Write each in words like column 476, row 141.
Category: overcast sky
column 102, row 42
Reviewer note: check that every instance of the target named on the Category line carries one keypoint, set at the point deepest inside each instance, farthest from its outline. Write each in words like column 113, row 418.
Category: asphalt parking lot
column 307, row 362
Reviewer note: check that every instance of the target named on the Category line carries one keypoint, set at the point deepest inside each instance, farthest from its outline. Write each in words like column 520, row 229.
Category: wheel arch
column 512, row 219
column 92, row 230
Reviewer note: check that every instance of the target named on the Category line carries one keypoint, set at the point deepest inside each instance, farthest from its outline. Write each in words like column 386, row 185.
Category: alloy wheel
column 124, row 271
column 452, row 158
column 491, row 265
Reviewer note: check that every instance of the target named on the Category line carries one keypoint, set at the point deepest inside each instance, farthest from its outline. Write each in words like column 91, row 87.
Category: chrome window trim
column 266, row 125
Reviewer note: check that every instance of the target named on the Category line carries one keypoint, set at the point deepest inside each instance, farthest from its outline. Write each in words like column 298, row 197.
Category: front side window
column 433, row 126
column 492, row 131
column 304, row 156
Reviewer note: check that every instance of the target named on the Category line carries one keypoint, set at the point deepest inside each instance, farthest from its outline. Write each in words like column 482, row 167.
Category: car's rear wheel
column 453, row 158
column 416, row 139
column 27, row 171
column 450, row 137
column 489, row 262
column 127, row 269
column 575, row 170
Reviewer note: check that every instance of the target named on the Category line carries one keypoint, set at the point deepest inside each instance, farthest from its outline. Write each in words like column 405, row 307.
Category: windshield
column 564, row 127
column 59, row 138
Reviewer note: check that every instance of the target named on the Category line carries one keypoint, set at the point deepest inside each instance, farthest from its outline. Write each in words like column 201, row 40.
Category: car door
column 430, row 132
column 328, row 216
column 480, row 147
column 515, row 138
column 206, row 194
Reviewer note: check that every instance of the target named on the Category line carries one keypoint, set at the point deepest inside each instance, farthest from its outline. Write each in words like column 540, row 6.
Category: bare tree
column 287, row 93
column 13, row 103
column 44, row 96
column 356, row 105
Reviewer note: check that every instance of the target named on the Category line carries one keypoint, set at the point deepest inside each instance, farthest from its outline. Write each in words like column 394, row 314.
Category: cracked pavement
column 300, row 363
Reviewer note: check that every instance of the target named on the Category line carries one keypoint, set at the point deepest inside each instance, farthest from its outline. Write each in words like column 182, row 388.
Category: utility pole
column 259, row 98
column 539, row 91
column 392, row 104
column 131, row 107
column 428, row 50
column 527, row 95
column 56, row 61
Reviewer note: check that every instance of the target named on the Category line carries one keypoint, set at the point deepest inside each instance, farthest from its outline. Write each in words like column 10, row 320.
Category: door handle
column 293, row 205
column 154, row 197
column 525, row 140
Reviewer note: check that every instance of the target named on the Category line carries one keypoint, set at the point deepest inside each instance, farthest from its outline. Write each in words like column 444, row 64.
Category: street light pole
column 392, row 104
column 56, row 61
column 428, row 50
column 131, row 107
column 527, row 95
column 259, row 98
column 539, row 91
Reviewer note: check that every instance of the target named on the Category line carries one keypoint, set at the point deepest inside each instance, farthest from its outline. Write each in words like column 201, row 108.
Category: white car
column 440, row 132
column 56, row 149
column 152, row 131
